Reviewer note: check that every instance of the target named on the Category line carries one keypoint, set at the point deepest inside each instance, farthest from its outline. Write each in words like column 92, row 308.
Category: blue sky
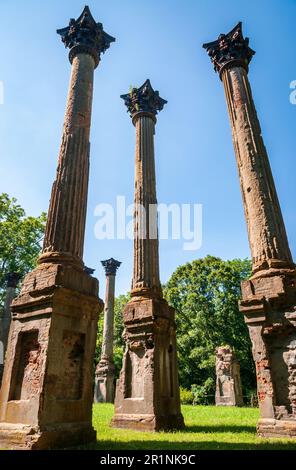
column 160, row 40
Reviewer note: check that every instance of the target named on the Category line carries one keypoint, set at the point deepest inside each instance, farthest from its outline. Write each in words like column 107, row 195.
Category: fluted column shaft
column 67, row 212
column 266, row 229
column 146, row 257
column 108, row 331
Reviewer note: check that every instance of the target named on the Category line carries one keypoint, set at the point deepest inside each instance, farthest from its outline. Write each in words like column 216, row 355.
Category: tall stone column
column 105, row 371
column 12, row 280
column 269, row 297
column 147, row 392
column 47, row 388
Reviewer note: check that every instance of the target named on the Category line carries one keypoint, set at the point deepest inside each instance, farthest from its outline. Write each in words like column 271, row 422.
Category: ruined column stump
column 47, row 389
column 269, row 296
column 228, row 381
column 104, row 381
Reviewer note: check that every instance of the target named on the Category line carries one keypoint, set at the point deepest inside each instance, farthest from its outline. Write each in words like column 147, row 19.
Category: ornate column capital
column 230, row 50
column 12, row 279
column 111, row 265
column 84, row 35
column 143, row 101
column 88, row 270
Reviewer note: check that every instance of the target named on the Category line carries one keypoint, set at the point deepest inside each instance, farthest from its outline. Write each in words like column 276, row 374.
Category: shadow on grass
column 197, row 445
column 219, row 429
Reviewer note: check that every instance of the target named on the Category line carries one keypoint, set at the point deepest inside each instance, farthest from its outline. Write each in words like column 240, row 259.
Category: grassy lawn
column 207, row 427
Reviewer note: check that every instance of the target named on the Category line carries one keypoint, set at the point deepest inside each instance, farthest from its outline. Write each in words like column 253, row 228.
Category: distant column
column 269, row 297
column 12, row 280
column 147, row 392
column 105, row 371
column 228, row 381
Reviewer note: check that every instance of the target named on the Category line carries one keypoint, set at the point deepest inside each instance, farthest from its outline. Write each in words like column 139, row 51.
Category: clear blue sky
column 160, row 40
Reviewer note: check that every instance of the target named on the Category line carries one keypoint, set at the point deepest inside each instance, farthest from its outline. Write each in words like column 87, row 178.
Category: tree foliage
column 205, row 295
column 20, row 239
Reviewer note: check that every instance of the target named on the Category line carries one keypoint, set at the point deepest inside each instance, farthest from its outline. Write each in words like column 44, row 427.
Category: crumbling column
column 228, row 381
column 47, row 388
column 105, row 370
column 147, row 392
column 269, row 297
column 12, row 280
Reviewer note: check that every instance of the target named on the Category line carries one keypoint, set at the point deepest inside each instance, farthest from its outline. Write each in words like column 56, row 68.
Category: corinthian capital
column 84, row 35
column 143, row 99
column 230, row 50
column 111, row 265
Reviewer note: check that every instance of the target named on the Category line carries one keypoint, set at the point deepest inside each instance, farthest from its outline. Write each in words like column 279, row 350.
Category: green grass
column 207, row 427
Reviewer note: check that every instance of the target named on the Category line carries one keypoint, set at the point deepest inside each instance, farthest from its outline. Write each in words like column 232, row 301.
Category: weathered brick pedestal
column 228, row 381
column 147, row 392
column 105, row 370
column 269, row 297
column 47, row 389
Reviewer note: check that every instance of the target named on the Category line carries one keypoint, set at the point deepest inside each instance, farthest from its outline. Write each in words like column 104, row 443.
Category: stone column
column 146, row 259
column 147, row 392
column 47, row 388
column 228, row 381
column 105, row 371
column 269, row 297
column 12, row 280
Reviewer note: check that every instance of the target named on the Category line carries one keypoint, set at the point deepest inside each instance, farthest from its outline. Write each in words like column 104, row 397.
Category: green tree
column 205, row 294
column 20, row 239
column 120, row 303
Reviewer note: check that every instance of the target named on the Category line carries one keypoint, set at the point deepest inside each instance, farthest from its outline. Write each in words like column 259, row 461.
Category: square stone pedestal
column 269, row 306
column 147, row 392
column 47, row 389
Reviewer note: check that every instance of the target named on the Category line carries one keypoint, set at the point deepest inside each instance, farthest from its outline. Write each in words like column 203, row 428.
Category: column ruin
column 147, row 392
column 12, row 280
column 47, row 388
column 105, row 370
column 269, row 296
column 228, row 381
